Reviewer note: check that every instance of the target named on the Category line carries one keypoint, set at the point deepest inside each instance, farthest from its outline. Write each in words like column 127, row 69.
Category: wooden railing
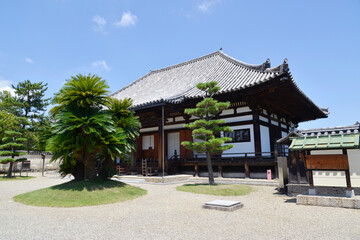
column 254, row 156
column 225, row 157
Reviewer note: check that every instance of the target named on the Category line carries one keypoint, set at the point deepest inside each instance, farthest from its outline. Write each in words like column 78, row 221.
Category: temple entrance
column 173, row 144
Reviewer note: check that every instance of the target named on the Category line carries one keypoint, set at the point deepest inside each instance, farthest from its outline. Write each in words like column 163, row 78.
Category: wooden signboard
column 338, row 162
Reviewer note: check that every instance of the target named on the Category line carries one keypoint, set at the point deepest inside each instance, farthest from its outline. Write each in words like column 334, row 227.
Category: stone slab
column 153, row 179
column 223, row 205
column 328, row 201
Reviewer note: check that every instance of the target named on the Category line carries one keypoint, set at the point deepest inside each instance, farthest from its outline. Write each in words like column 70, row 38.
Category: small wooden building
column 265, row 104
column 324, row 161
column 324, row 178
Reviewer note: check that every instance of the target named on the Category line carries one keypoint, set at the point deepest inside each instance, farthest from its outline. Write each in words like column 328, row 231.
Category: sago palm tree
column 83, row 129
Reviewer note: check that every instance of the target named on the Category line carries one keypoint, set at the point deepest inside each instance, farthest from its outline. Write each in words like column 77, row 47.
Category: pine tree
column 208, row 129
column 12, row 142
column 31, row 99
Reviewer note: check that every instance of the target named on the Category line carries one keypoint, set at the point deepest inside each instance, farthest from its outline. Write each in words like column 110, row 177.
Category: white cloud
column 99, row 24
column 101, row 64
column 206, row 5
column 29, row 60
column 6, row 85
column 127, row 20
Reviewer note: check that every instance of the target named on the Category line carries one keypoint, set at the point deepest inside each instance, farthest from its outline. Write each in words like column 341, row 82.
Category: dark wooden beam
column 257, row 137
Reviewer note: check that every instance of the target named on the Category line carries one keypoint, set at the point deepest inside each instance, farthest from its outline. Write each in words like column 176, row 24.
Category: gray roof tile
column 178, row 82
column 175, row 83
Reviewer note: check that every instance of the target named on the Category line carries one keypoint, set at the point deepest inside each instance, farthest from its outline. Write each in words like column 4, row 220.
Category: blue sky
column 51, row 40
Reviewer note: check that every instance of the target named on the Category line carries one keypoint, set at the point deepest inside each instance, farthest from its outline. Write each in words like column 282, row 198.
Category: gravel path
column 165, row 213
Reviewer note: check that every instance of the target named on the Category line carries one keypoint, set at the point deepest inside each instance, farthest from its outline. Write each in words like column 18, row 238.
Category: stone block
column 301, row 200
column 333, row 202
column 348, row 202
column 312, row 200
column 357, row 203
column 323, row 201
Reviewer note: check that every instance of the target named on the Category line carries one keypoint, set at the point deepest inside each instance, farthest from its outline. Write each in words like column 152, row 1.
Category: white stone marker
column 223, row 205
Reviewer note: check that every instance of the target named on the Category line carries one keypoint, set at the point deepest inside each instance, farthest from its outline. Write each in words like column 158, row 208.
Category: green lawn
column 80, row 193
column 218, row 189
column 15, row 178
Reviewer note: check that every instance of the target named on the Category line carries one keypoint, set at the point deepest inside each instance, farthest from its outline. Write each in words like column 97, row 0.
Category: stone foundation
column 328, row 201
column 296, row 189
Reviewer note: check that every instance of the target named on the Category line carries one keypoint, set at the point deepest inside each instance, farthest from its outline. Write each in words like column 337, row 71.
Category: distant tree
column 12, row 142
column 8, row 122
column 43, row 133
column 31, row 99
column 208, row 129
column 9, row 103
column 31, row 104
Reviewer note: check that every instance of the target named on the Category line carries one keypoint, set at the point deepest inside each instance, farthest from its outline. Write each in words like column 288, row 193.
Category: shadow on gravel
column 280, row 191
column 89, row 186
column 291, row 200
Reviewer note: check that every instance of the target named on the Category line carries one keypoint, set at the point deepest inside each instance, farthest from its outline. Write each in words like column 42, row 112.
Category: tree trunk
column 210, row 169
column 89, row 169
column 78, row 172
column 106, row 167
column 10, row 169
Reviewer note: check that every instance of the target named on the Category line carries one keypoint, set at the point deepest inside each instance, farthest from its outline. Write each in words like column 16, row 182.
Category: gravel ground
column 165, row 213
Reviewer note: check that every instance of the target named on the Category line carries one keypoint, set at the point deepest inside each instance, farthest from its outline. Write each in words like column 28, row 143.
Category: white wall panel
column 337, row 178
column 227, row 112
column 242, row 147
column 238, row 119
column 263, row 119
column 153, row 129
column 243, row 109
column 265, row 140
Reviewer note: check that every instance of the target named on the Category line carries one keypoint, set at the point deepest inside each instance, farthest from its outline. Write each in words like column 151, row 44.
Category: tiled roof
column 336, row 141
column 350, row 129
column 176, row 83
column 340, row 130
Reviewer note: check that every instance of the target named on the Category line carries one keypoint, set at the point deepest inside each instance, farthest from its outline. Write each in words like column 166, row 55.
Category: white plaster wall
column 337, row 178
column 179, row 119
column 147, row 142
column 238, row 119
column 274, row 123
column 227, row 112
column 242, row 147
column 265, row 140
column 243, row 109
column 175, row 126
column 263, row 119
column 152, row 129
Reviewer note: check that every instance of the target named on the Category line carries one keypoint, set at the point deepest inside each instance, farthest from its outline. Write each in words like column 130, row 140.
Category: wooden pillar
column 220, row 170
column 311, row 179
column 348, row 180
column 196, row 170
column 247, row 170
column 257, row 138
column 347, row 175
column 160, row 144
column 133, row 162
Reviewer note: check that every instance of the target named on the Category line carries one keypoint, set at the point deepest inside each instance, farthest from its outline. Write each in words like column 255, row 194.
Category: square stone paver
column 223, row 205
